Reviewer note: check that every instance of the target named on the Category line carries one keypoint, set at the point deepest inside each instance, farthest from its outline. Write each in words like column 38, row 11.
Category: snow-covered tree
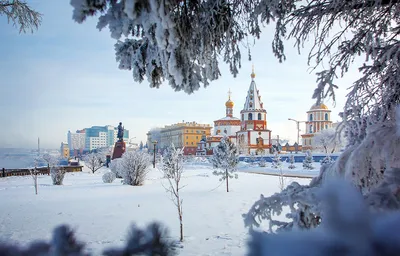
column 225, row 158
column 328, row 140
column 93, row 161
column 141, row 145
column 34, row 174
column 115, row 167
column 262, row 162
column 108, row 177
column 291, row 162
column 308, row 160
column 51, row 160
column 172, row 167
column 276, row 161
column 21, row 15
column 134, row 166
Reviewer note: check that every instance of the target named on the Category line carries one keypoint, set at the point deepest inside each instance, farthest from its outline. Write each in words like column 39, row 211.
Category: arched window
column 311, row 117
column 259, row 116
column 326, row 117
column 311, row 128
column 251, row 104
column 250, row 116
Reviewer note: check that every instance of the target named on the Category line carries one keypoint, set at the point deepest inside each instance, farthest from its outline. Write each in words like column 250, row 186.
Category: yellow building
column 64, row 150
column 318, row 118
column 184, row 134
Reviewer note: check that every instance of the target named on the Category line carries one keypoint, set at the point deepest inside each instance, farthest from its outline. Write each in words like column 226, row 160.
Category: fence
column 41, row 170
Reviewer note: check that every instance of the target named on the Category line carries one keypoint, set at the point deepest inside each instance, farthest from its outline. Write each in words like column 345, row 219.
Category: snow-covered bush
column 308, row 160
column 94, row 161
column 152, row 240
column 276, row 161
column 291, row 162
column 109, row 177
column 57, row 175
column 134, row 166
column 172, row 167
column 327, row 160
column 225, row 158
column 115, row 167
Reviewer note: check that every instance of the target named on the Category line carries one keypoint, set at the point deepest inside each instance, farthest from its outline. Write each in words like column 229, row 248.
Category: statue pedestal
column 119, row 149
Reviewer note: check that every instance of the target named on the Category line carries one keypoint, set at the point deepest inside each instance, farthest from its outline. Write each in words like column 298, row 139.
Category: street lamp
column 154, row 161
column 298, row 129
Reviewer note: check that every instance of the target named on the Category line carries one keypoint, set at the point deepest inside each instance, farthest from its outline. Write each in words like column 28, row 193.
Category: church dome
column 321, row 106
column 229, row 104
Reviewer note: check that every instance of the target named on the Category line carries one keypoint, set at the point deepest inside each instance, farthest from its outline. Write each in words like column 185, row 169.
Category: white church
column 250, row 132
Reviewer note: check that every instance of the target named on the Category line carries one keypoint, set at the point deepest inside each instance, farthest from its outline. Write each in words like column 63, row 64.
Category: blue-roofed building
column 102, row 136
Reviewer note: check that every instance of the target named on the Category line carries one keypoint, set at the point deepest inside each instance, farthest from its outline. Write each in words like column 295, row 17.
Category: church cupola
column 229, row 105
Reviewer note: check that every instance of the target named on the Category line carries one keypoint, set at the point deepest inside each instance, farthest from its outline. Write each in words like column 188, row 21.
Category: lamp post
column 154, row 160
column 298, row 129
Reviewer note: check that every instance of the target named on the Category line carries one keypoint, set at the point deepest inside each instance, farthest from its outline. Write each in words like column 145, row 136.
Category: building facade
column 184, row 134
column 64, row 150
column 318, row 118
column 102, row 136
column 227, row 126
column 254, row 136
column 76, row 142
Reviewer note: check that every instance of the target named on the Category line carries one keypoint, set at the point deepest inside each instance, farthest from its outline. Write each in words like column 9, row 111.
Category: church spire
column 253, row 75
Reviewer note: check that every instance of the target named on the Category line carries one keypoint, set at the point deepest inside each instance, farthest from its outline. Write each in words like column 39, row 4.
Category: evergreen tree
column 225, row 158
column 276, row 161
column 308, row 160
column 291, row 161
column 141, row 145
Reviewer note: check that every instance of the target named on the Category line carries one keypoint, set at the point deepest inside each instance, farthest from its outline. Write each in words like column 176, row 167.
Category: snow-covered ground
column 101, row 213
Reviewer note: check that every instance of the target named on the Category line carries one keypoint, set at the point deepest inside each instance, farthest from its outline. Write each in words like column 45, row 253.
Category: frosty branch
column 21, row 15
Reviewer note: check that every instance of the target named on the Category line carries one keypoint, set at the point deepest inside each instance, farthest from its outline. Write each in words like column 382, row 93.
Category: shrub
column 109, row 177
column 57, row 175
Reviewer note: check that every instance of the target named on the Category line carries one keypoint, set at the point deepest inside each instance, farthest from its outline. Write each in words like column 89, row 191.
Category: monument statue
column 119, row 147
column 120, row 134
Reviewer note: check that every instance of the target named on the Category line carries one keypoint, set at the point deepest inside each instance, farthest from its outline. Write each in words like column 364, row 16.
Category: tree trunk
column 36, row 183
column 226, row 177
column 180, row 219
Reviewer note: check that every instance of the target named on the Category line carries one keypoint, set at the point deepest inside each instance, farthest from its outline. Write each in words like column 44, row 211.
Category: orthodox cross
column 229, row 93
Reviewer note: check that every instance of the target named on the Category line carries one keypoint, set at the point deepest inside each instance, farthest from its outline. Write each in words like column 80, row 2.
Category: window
column 251, row 104
column 250, row 116
column 326, row 126
column 192, row 142
column 311, row 117
column 311, row 128
column 259, row 116
column 197, row 137
column 187, row 143
column 187, row 137
column 326, row 116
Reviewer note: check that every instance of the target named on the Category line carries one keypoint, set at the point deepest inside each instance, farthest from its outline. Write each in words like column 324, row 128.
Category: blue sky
column 64, row 77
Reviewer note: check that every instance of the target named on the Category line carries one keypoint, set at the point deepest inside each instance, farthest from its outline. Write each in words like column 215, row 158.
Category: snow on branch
column 348, row 227
column 21, row 15
column 152, row 240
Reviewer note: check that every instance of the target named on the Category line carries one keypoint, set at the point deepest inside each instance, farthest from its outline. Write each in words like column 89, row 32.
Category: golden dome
column 321, row 106
column 253, row 75
column 229, row 104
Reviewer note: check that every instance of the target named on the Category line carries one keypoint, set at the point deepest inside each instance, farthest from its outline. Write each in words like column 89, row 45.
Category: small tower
column 229, row 105
column 318, row 118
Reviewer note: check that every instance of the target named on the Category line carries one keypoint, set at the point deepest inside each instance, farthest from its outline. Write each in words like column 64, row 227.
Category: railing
column 41, row 171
